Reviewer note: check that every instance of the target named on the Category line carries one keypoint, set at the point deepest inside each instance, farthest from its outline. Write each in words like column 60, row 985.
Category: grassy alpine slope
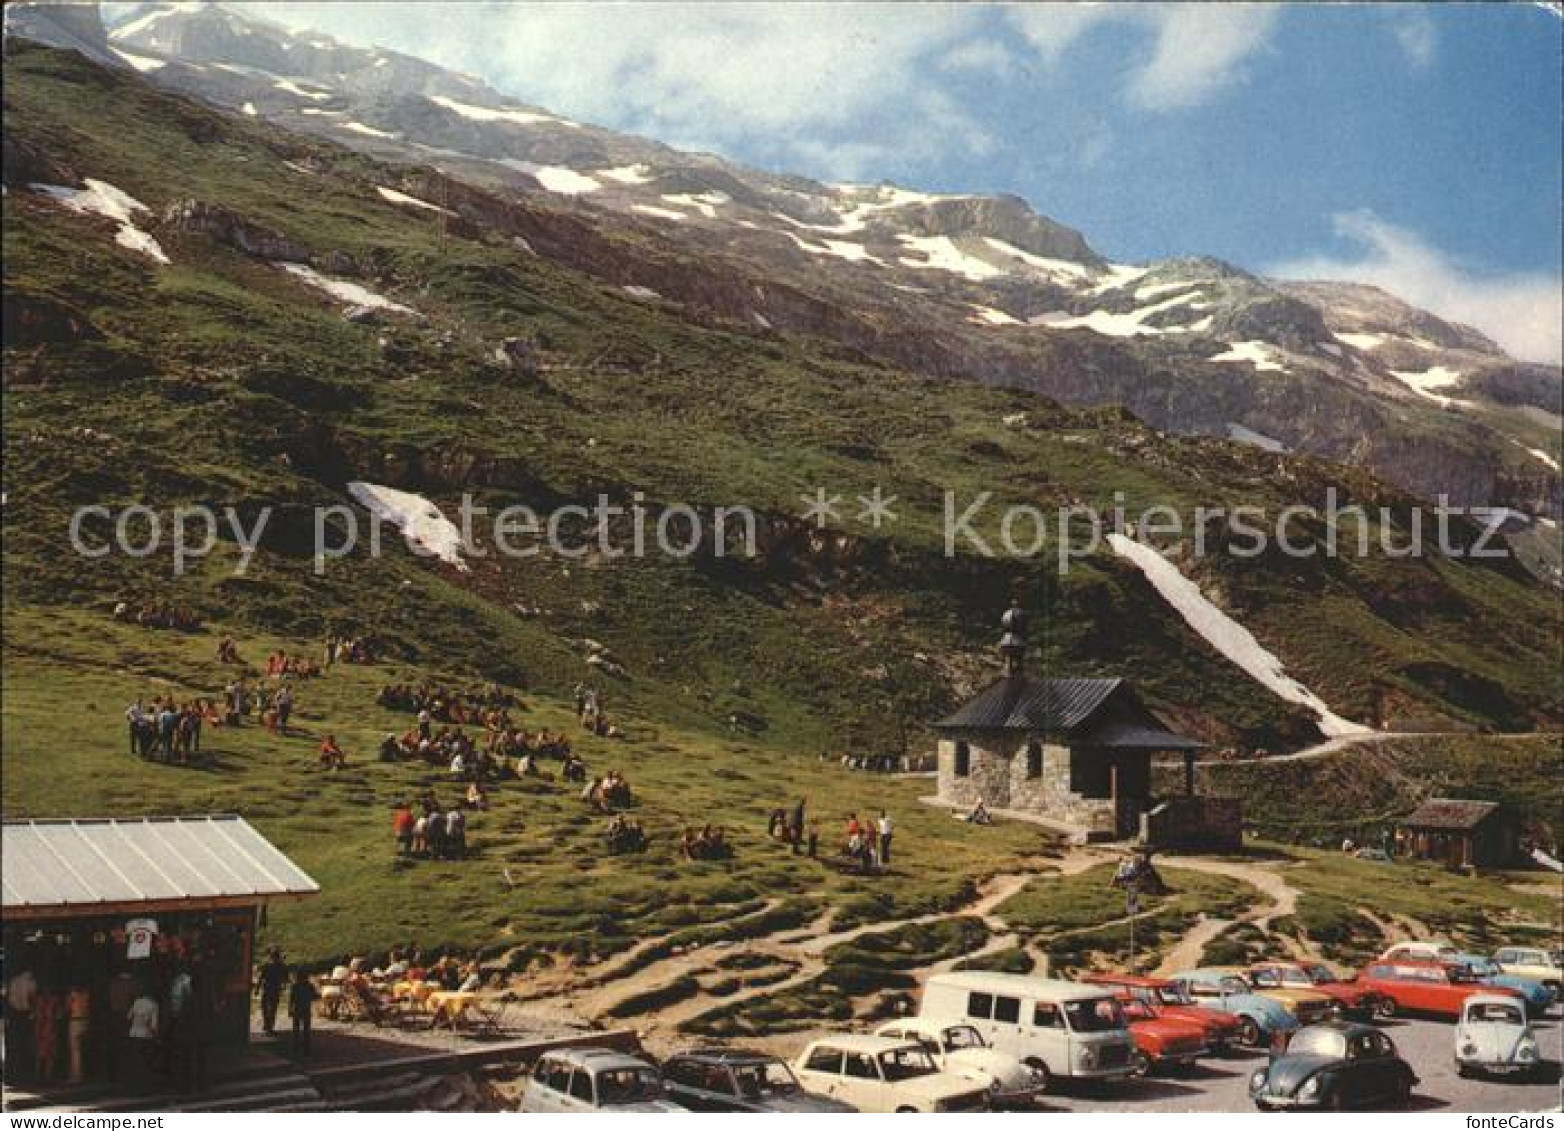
column 220, row 379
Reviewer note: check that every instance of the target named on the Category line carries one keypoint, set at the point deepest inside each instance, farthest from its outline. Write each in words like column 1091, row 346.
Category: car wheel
column 1403, row 1095
column 1463, row 1072
column 906, row 1111
column 1042, row 1072
column 1140, row 1064
column 1249, row 1032
column 1385, row 1007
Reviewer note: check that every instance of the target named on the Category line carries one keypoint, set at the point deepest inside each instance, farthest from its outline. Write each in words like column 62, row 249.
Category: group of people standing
column 433, row 833
column 167, row 730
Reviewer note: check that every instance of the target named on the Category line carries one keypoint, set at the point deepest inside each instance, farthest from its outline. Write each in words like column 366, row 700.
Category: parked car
column 1538, row 996
column 717, row 1080
column 1335, row 1065
column 1307, row 1005
column 1492, row 1036
column 1374, row 855
column 1427, row 950
column 1414, row 985
column 885, row 1075
column 1532, row 962
column 1261, row 1019
column 1162, row 1042
column 1223, row 1030
column 1061, row 1028
column 1347, row 998
column 594, row 1079
column 962, row 1049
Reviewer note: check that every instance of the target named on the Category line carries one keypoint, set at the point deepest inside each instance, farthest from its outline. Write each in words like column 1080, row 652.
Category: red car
column 1349, row 997
column 1413, row 985
column 1175, row 1003
column 1162, row 1041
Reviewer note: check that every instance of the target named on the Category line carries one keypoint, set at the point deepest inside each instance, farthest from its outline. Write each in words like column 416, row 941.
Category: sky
column 1414, row 146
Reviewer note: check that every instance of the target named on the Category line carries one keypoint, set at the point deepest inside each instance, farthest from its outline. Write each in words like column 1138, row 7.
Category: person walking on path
column 885, row 838
column 301, row 1009
column 273, row 979
column 798, row 827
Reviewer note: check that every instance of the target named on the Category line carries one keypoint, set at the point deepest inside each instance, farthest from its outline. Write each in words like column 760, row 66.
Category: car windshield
column 627, row 1086
column 771, row 1078
column 1234, row 985
column 1094, row 1015
column 1460, row 974
column 905, row 1062
column 1174, row 995
column 1318, row 1041
column 962, row 1037
column 1320, row 974
column 1501, row 1013
column 1481, row 967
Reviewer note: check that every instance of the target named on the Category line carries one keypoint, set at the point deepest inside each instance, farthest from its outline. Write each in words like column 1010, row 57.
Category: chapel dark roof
column 1086, row 712
column 1448, row 813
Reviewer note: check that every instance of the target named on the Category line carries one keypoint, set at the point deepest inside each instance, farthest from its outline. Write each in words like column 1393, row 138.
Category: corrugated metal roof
column 1019, row 703
column 1090, row 712
column 79, row 864
column 1446, row 813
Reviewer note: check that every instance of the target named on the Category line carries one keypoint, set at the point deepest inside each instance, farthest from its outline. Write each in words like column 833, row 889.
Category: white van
column 1064, row 1028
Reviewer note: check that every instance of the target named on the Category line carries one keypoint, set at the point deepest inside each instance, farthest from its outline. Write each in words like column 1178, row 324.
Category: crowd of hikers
column 470, row 734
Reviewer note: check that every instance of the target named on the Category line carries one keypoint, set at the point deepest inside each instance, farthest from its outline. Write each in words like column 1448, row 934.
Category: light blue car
column 1260, row 1018
column 1486, row 970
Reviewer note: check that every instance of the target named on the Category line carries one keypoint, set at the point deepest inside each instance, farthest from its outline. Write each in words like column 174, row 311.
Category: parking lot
column 1222, row 1083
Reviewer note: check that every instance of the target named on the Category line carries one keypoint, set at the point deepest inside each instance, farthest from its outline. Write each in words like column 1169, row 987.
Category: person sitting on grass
column 708, row 844
column 477, row 797
column 979, row 814
column 331, row 755
column 625, row 835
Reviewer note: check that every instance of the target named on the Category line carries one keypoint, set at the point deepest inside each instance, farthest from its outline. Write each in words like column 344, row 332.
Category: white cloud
column 1416, row 35
column 797, row 79
column 1523, row 313
column 1197, row 50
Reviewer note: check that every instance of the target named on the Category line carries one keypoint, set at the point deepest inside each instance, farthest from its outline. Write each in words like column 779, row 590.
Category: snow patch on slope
column 143, row 63
column 402, row 198
column 1236, row 431
column 344, row 290
column 99, row 198
column 660, row 213
column 988, row 316
column 299, row 91
column 489, row 114
column 420, row 521
column 1361, row 341
column 1126, row 325
column 842, row 249
column 1257, row 354
column 1424, row 382
column 1226, row 635
column 940, row 253
column 555, row 178
column 627, row 174
column 706, row 203
column 361, row 128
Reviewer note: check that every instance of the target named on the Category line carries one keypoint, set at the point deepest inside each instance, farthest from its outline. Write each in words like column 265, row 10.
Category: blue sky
column 1414, row 146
